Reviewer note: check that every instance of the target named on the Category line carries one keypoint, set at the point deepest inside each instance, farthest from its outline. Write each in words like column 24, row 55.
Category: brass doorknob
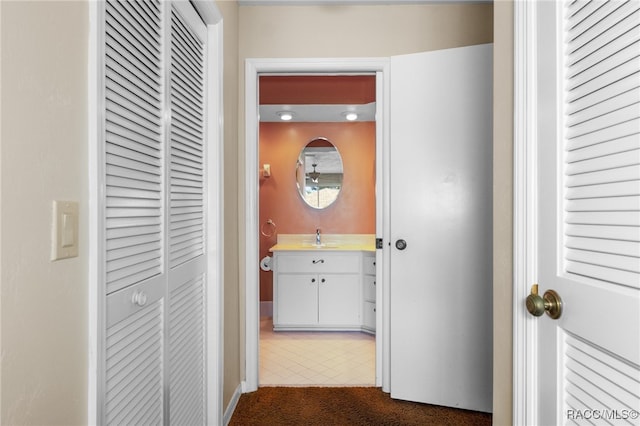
column 550, row 302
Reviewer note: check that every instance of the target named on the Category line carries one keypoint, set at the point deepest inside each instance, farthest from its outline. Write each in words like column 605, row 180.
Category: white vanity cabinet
column 369, row 293
column 317, row 289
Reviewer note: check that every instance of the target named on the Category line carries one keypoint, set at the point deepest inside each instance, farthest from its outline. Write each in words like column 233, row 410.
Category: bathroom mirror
column 319, row 173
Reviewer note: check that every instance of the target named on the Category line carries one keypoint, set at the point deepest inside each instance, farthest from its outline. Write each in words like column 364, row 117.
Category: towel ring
column 268, row 228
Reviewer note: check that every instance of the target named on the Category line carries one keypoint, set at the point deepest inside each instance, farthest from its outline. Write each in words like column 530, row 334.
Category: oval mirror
column 319, row 173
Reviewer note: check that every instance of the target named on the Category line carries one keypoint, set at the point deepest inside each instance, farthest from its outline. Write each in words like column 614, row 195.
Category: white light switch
column 64, row 232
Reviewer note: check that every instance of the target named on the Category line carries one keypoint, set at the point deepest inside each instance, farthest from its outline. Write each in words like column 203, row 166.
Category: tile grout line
column 315, row 358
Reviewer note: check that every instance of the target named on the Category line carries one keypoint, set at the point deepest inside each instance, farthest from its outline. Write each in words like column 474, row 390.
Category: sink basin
column 322, row 245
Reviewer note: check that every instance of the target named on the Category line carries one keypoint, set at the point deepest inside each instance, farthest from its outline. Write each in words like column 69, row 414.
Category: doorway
column 317, row 146
column 254, row 68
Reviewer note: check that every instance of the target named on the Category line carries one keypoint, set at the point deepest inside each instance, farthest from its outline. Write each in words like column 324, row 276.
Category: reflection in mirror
column 319, row 173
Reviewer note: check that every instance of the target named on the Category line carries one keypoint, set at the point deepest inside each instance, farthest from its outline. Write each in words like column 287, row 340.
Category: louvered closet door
column 589, row 207
column 154, row 218
column 134, row 223
column 187, row 376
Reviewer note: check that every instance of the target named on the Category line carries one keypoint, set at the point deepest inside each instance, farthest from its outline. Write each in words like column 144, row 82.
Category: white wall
column 43, row 158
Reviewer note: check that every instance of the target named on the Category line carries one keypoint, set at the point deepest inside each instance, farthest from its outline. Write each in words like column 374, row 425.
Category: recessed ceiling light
column 351, row 116
column 285, row 115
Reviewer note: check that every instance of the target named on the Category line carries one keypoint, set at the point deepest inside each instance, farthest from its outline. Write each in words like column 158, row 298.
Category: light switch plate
column 64, row 230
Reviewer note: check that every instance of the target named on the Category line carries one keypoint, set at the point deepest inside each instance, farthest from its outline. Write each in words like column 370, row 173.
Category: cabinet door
column 369, row 289
column 339, row 300
column 369, row 316
column 296, row 299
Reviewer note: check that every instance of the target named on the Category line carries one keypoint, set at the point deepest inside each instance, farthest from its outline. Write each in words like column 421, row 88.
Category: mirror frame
column 332, row 178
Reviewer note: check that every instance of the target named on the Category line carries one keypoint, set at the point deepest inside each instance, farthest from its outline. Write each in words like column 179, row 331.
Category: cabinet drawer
column 369, row 265
column 369, row 288
column 369, row 320
column 317, row 262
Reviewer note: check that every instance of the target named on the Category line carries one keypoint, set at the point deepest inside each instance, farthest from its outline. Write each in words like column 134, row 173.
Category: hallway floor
column 318, row 358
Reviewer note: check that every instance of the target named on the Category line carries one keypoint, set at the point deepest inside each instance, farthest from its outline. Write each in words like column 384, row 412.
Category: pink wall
column 354, row 210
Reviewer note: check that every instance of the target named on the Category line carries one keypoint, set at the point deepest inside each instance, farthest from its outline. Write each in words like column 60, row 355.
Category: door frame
column 525, row 147
column 254, row 67
column 213, row 156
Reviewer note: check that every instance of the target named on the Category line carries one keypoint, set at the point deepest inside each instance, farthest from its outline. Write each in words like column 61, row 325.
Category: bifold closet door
column 154, row 210
column 134, row 236
column 186, row 257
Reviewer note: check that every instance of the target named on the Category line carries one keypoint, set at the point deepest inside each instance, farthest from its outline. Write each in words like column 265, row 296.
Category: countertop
column 330, row 242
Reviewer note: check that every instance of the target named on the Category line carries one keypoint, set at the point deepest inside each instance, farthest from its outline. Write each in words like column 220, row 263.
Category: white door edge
column 525, row 401
column 253, row 67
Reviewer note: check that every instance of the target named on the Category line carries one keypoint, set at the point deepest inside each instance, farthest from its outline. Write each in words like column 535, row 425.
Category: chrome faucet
column 318, row 237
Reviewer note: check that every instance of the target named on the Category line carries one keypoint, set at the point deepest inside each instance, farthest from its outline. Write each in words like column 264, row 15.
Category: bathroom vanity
column 330, row 286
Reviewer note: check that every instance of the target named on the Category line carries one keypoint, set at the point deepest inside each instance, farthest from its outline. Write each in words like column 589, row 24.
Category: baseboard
column 232, row 405
column 266, row 309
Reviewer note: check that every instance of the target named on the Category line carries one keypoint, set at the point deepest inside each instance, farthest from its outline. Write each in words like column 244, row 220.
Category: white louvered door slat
column 134, row 364
column 597, row 379
column 187, row 136
column 135, row 282
column 187, row 372
column 155, row 268
column 133, row 124
column 604, row 190
column 589, row 211
column 186, row 334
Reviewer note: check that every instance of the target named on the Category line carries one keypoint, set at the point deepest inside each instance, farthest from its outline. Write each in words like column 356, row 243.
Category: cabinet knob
column 313, row 280
column 322, row 280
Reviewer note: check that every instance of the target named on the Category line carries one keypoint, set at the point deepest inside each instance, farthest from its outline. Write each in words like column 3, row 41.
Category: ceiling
column 321, row 98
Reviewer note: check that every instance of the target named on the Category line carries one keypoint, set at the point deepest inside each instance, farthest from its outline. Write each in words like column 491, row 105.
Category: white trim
column 252, row 254
column 525, row 389
column 231, row 408
column 215, row 196
column 253, row 67
column 95, row 320
column 208, row 11
column 383, row 227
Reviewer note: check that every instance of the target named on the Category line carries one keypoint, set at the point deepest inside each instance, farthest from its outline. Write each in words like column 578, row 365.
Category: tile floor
column 318, row 358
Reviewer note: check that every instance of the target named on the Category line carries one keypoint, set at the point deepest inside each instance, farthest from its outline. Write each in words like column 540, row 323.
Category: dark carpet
column 343, row 406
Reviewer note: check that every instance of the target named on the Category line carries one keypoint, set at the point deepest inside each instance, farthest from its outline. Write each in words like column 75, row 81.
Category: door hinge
column 378, row 243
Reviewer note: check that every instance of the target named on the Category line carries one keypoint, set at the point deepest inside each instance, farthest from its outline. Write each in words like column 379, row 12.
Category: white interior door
column 589, row 212
column 441, row 207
